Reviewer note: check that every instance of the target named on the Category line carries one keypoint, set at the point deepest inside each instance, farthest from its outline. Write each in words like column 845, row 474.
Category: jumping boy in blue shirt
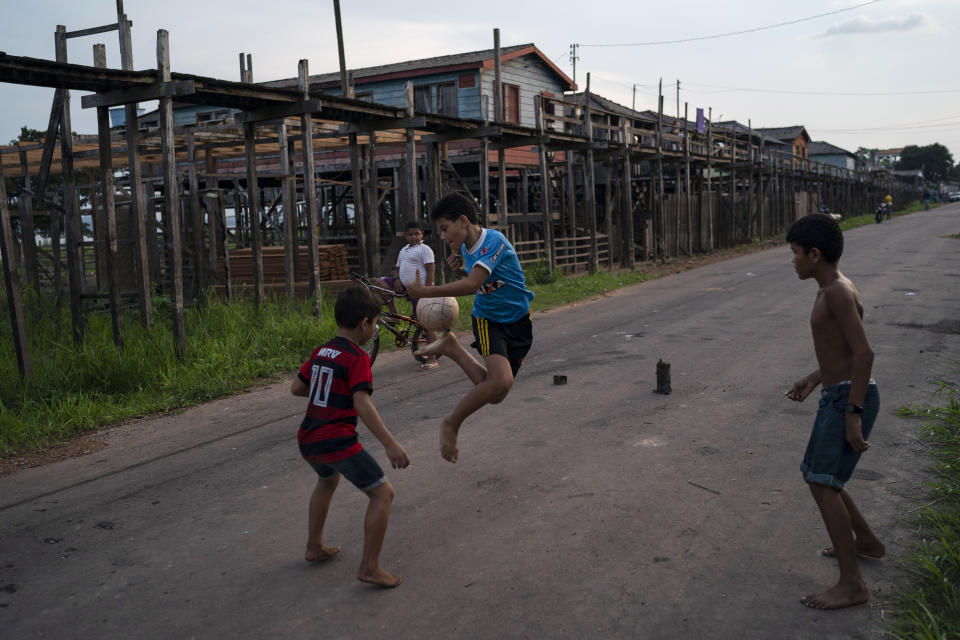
column 501, row 311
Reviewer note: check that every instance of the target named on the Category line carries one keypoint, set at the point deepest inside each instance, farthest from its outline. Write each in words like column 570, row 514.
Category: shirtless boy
column 849, row 403
column 501, row 311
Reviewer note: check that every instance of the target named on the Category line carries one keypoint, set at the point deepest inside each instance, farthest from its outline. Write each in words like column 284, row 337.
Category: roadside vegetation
column 929, row 608
column 230, row 347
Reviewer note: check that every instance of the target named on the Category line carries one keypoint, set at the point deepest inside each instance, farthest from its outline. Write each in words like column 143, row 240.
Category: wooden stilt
column 289, row 214
column 71, row 206
column 626, row 197
column 253, row 202
column 412, row 205
column 11, row 279
column 309, row 185
column 28, row 235
column 171, row 189
column 109, row 210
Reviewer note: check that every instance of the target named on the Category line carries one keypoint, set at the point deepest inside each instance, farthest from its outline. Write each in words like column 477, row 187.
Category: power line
column 735, row 33
column 822, row 93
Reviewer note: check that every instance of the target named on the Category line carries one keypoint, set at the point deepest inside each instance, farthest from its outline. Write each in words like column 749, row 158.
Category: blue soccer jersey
column 504, row 296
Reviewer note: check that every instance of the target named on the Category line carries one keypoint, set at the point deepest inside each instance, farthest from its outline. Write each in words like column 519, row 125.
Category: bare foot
column 874, row 550
column 319, row 552
column 838, row 597
column 448, row 440
column 379, row 577
column 439, row 346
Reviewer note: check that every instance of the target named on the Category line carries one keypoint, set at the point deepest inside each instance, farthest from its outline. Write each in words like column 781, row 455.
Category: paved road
column 593, row 510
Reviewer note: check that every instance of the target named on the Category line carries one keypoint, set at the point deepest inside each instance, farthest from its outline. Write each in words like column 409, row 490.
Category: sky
column 872, row 73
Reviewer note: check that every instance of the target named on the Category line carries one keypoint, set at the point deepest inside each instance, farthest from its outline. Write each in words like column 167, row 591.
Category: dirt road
column 597, row 509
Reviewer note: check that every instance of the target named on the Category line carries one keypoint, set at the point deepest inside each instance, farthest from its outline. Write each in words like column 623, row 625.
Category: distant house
column 742, row 131
column 795, row 137
column 888, row 157
column 455, row 85
column 830, row 154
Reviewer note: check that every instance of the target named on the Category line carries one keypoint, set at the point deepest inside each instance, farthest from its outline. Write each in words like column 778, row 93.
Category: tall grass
column 930, row 608
column 80, row 388
column 77, row 388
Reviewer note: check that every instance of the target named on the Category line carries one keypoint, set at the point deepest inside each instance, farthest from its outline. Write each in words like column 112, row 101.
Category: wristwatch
column 854, row 408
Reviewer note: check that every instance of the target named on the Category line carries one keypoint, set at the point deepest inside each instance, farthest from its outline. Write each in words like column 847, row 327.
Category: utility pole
column 634, row 107
column 573, row 60
column 678, row 98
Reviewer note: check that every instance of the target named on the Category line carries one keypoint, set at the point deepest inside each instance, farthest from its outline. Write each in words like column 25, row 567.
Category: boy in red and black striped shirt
column 338, row 382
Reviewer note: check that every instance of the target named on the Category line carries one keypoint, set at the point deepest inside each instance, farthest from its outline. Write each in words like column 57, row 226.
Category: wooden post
column 545, row 195
column 571, row 196
column 660, row 233
column 761, row 229
column 410, row 177
column 253, row 204
column 589, row 190
column 142, row 266
column 710, row 180
column 358, row 213
column 196, row 217
column 109, row 209
column 484, row 170
column 171, row 189
column 686, row 174
column 224, row 247
column 733, row 183
column 343, row 63
column 497, row 86
column 12, row 281
column 28, row 235
column 608, row 213
column 309, row 185
column 289, row 196
column 373, row 208
column 71, row 208
column 626, row 197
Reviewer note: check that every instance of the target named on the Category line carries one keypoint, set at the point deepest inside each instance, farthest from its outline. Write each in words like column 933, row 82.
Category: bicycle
column 406, row 330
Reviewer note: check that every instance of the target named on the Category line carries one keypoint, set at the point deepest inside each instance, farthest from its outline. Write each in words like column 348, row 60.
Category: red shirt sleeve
column 360, row 376
column 306, row 369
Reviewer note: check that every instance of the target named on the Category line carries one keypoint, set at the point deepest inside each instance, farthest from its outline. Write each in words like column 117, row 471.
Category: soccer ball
column 437, row 314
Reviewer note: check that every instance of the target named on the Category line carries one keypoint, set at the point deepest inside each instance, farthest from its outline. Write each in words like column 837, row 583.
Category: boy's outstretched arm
column 463, row 287
column 371, row 417
column 804, row 386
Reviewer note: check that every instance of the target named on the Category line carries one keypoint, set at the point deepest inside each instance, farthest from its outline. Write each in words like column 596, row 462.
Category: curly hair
column 453, row 206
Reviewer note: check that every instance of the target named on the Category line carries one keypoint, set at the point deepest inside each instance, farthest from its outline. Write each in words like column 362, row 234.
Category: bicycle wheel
column 418, row 341
column 372, row 347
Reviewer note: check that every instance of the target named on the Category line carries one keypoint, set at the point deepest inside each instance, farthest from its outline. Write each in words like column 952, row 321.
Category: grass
column 930, row 608
column 76, row 389
column 869, row 218
column 230, row 347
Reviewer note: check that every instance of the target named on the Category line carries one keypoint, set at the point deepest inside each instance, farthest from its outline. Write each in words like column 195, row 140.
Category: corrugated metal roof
column 822, row 148
column 609, row 105
column 425, row 64
column 787, row 134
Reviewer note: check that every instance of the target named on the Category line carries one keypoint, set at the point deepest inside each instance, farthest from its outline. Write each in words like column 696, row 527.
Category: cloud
column 861, row 24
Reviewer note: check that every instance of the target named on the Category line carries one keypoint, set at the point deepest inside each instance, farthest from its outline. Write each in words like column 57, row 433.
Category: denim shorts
column 829, row 458
column 360, row 469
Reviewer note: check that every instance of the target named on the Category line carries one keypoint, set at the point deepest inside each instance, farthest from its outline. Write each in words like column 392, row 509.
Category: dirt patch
column 72, row 448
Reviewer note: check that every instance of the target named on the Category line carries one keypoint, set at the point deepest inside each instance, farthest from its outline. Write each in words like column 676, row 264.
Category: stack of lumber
column 332, row 264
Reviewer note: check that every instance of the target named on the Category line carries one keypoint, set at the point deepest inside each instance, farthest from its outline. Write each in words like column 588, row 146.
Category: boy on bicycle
column 501, row 311
column 416, row 257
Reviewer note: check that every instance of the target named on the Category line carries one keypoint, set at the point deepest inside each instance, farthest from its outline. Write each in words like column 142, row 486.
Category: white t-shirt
column 412, row 259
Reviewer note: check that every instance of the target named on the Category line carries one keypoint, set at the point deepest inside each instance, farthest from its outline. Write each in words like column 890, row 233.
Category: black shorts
column 512, row 341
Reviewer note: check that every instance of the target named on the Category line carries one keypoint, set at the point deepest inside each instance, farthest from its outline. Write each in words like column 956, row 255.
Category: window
column 511, row 103
column 366, row 96
column 447, row 99
column 422, row 98
column 436, row 98
column 204, row 116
